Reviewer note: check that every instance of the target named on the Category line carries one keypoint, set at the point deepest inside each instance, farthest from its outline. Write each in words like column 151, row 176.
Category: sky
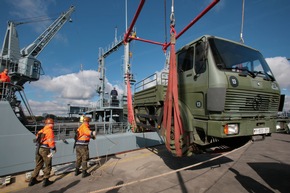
column 70, row 60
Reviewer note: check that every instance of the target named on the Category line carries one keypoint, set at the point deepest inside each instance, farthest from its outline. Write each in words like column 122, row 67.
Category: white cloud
column 280, row 67
column 80, row 85
column 76, row 89
column 50, row 107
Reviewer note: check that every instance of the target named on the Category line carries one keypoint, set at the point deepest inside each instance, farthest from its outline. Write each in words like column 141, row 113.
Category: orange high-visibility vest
column 4, row 77
column 48, row 140
column 84, row 134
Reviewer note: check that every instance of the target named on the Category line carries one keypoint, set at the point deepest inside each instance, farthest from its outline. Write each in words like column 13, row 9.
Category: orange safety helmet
column 49, row 121
column 87, row 119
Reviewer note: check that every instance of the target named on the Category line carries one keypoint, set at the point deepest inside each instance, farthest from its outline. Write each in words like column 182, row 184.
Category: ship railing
column 152, row 80
column 8, row 93
column 64, row 131
column 112, row 103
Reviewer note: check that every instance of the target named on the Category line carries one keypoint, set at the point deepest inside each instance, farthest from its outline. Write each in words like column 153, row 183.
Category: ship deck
column 262, row 166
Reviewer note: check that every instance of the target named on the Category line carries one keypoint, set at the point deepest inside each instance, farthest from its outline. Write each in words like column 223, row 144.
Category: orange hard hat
column 49, row 121
column 87, row 119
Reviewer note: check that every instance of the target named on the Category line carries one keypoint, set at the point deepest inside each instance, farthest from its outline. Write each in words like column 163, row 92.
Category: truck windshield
column 234, row 57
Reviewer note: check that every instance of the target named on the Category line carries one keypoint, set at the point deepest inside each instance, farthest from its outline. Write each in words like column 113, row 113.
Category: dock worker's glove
column 53, row 150
column 94, row 135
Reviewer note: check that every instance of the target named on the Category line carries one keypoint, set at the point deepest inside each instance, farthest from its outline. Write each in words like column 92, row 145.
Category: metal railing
column 152, row 80
column 64, row 131
column 8, row 93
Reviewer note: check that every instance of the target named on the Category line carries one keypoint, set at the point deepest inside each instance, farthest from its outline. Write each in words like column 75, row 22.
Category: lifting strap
column 174, row 131
column 131, row 117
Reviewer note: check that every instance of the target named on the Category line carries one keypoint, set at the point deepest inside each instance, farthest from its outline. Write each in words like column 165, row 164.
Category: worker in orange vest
column 45, row 147
column 4, row 78
column 83, row 136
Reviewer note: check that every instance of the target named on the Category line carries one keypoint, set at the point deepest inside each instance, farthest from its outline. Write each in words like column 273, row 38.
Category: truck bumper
column 246, row 127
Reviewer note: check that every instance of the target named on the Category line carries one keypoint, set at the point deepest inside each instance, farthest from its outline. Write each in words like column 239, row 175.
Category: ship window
column 35, row 67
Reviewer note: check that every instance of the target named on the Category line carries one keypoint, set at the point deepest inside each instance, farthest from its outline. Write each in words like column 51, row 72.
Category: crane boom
column 37, row 46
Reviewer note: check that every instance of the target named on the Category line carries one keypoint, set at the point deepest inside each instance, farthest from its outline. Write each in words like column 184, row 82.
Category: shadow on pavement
column 276, row 175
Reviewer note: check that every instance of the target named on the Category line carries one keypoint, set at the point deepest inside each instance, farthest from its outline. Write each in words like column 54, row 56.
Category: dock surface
column 262, row 166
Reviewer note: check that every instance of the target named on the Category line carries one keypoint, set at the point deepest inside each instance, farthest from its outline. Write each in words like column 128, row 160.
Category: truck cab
column 226, row 85
column 227, row 94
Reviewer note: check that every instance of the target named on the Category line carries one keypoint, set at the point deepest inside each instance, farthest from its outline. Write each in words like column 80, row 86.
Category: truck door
column 193, row 77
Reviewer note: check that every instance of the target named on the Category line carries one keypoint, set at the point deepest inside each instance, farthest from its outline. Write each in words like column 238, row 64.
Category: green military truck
column 227, row 95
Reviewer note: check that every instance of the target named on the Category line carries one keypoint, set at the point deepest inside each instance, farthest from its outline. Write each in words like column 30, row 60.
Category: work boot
column 77, row 172
column 85, row 174
column 46, row 182
column 33, row 181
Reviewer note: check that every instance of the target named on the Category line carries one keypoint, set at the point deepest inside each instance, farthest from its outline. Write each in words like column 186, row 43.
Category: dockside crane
column 22, row 64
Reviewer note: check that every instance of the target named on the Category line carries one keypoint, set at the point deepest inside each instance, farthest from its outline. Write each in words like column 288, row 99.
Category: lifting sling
column 173, row 129
column 131, row 118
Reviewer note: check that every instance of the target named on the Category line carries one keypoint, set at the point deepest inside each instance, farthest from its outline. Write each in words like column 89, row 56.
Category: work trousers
column 3, row 88
column 82, row 154
column 41, row 159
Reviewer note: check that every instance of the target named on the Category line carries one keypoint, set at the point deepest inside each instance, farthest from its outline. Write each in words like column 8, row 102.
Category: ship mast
column 126, row 58
column 102, row 55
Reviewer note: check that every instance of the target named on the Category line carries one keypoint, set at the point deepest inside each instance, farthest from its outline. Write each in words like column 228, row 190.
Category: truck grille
column 249, row 101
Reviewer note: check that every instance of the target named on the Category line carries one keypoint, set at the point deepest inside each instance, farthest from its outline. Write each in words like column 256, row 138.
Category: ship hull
column 17, row 149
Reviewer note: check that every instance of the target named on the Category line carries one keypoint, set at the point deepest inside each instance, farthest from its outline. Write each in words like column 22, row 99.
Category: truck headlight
column 278, row 127
column 230, row 129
